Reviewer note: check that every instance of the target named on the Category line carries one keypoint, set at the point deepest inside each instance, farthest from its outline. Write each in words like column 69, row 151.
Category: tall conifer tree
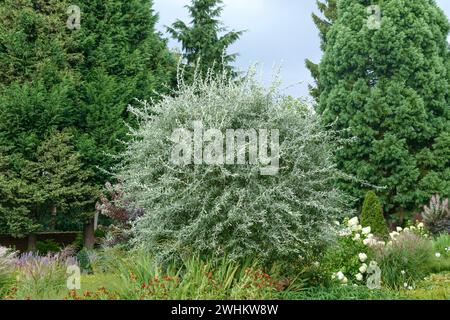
column 390, row 87
column 55, row 78
column 204, row 39
column 328, row 8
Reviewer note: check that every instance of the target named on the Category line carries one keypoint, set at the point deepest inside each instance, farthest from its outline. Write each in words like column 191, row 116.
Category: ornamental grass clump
column 41, row 277
column 6, row 270
column 405, row 260
column 232, row 209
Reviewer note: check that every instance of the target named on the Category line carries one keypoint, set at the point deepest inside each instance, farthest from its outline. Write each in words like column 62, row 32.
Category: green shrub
column 372, row 215
column 47, row 246
column 77, row 244
column 84, row 261
column 344, row 257
column 347, row 261
column 232, row 209
column 405, row 260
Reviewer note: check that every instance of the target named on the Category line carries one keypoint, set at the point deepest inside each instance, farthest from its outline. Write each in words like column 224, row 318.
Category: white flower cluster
column 409, row 287
column 340, row 276
column 359, row 276
column 352, row 228
column 419, row 229
column 359, row 233
column 405, row 284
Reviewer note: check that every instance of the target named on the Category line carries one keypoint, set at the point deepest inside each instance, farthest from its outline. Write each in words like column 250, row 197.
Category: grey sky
column 280, row 32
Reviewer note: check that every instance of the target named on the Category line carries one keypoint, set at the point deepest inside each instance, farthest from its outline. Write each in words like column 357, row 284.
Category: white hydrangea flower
column 399, row 229
column 403, row 272
column 362, row 257
column 359, row 277
column 366, row 230
column 394, row 235
column 438, row 255
column 357, row 237
column 345, row 233
column 340, row 276
column 420, row 225
column 345, row 280
column 363, row 268
column 353, row 222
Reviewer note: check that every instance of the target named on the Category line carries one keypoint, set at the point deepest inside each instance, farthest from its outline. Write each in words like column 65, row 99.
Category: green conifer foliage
column 123, row 58
column 81, row 81
column 62, row 179
column 389, row 87
column 329, row 10
column 205, row 39
column 372, row 215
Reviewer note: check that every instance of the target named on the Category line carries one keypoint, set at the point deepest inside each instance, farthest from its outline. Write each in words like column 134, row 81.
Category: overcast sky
column 279, row 32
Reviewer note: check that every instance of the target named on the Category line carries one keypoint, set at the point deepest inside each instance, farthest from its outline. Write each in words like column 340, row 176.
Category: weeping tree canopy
column 217, row 208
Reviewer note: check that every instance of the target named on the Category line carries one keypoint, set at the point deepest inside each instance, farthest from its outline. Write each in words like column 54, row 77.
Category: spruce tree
column 389, row 87
column 205, row 40
column 329, row 10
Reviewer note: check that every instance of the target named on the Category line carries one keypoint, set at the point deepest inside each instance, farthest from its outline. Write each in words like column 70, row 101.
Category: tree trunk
column 32, row 242
column 89, row 234
column 54, row 217
column 402, row 216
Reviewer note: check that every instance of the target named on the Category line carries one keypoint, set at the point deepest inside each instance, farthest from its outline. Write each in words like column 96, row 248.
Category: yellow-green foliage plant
column 372, row 215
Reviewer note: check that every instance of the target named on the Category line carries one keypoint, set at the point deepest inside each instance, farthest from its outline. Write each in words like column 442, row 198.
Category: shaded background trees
column 77, row 81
